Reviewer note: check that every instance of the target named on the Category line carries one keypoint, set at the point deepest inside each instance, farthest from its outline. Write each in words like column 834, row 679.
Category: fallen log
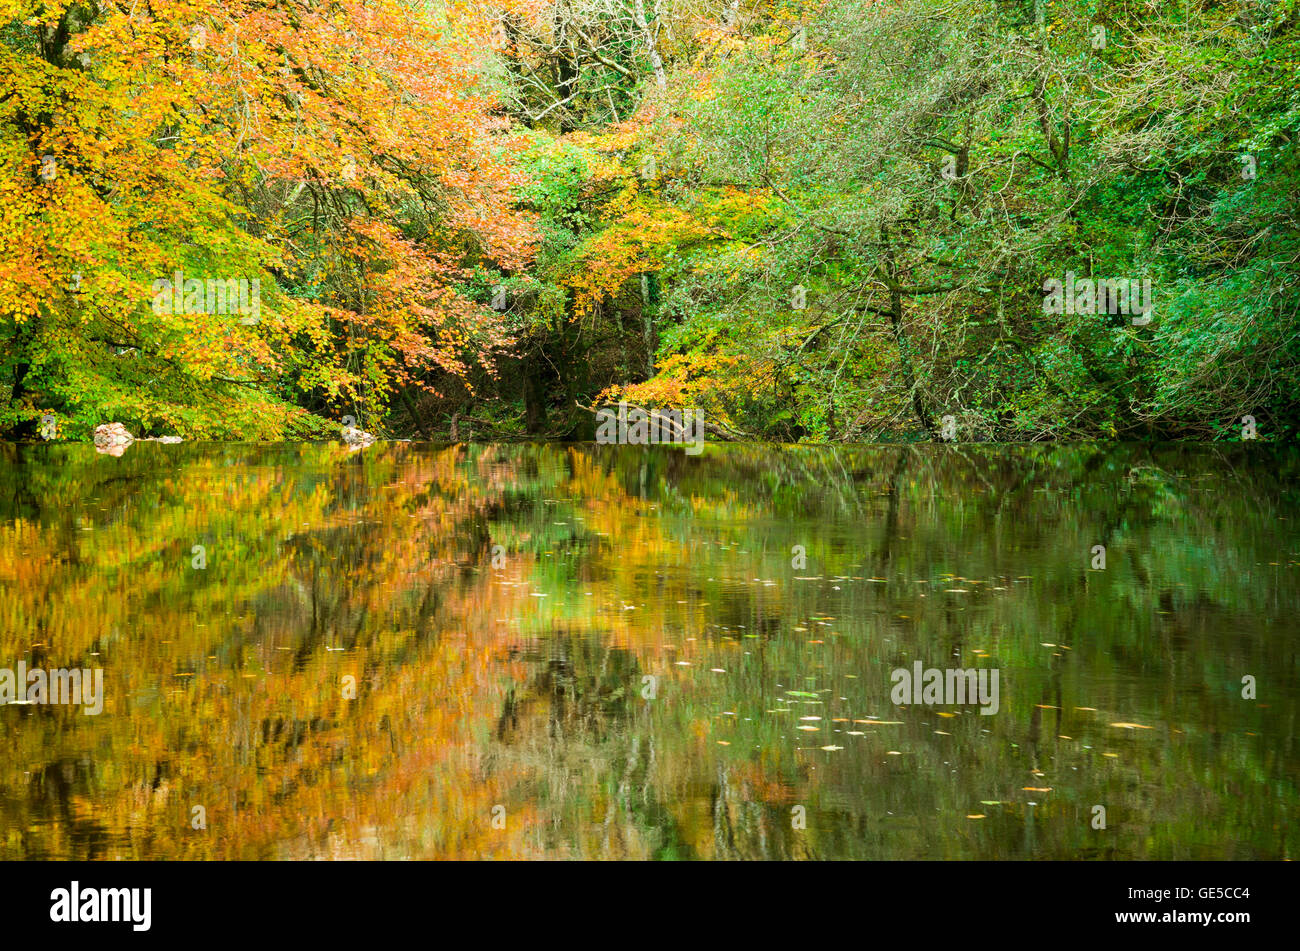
column 654, row 415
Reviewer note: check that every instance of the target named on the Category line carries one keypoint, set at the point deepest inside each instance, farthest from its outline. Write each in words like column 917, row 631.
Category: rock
column 357, row 438
column 112, row 438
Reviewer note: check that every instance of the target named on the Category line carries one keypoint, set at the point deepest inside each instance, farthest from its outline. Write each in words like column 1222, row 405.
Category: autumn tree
column 340, row 155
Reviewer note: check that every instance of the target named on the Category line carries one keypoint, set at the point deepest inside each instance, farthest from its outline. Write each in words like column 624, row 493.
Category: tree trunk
column 904, row 354
column 534, row 395
column 656, row 62
column 649, row 298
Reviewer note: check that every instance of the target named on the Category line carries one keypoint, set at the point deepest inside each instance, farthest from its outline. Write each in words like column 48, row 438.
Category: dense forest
column 812, row 220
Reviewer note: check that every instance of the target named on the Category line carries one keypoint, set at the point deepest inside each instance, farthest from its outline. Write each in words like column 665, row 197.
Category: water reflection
column 627, row 652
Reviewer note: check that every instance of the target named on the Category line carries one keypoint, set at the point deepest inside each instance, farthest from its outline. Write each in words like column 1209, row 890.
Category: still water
column 579, row 651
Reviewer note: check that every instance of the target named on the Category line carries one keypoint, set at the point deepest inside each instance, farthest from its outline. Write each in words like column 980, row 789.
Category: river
column 580, row 651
